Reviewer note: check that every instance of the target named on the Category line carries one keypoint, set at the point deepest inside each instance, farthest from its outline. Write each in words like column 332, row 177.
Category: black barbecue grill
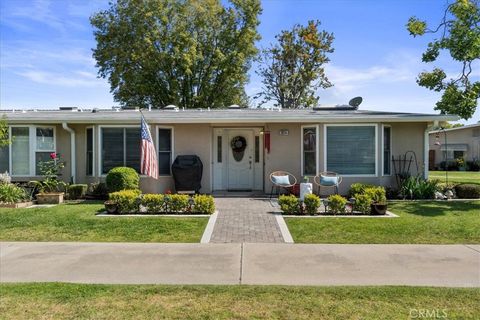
column 187, row 173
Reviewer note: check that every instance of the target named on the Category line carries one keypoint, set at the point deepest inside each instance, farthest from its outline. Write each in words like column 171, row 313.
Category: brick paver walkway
column 245, row 220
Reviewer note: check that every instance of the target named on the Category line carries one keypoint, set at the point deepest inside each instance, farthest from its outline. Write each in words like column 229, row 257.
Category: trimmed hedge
column 122, row 178
column 77, row 191
column 127, row 201
column 130, row 201
column 467, row 191
column 336, row 204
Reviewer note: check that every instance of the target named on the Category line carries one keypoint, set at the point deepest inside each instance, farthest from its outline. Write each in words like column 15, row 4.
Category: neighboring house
column 357, row 144
column 462, row 142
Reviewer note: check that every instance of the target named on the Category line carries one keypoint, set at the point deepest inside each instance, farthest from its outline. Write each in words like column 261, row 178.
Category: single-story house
column 462, row 142
column 357, row 144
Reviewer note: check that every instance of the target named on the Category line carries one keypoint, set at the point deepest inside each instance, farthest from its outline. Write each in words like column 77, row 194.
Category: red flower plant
column 168, row 191
column 53, row 156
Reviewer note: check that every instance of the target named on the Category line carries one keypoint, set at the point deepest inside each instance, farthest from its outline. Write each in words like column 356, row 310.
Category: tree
column 4, row 141
column 459, row 34
column 190, row 53
column 293, row 69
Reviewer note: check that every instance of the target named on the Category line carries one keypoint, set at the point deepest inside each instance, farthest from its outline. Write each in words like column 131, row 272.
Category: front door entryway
column 238, row 159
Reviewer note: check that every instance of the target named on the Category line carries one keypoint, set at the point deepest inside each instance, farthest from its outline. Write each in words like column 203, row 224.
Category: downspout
column 426, row 147
column 72, row 150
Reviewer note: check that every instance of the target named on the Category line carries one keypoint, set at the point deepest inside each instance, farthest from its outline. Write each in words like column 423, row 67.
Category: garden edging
column 388, row 214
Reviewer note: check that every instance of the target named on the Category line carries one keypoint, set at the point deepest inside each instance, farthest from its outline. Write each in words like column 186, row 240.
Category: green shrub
column 312, row 203
column 377, row 194
column 77, row 191
column 98, row 190
column 467, row 191
column 179, row 203
column 203, row 204
column 289, row 204
column 336, row 204
column 154, row 203
column 127, row 201
column 358, row 188
column 363, row 203
column 122, row 178
column 418, row 188
column 11, row 193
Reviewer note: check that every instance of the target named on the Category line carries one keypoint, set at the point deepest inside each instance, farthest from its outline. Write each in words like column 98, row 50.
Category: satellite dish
column 355, row 102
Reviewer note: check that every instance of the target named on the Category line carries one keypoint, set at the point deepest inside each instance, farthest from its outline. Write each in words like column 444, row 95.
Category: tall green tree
column 4, row 141
column 459, row 35
column 190, row 53
column 293, row 69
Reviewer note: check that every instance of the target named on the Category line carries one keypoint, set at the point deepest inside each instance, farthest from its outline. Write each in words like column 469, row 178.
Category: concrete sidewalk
column 248, row 263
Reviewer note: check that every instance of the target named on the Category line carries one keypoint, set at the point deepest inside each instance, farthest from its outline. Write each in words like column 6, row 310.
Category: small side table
column 305, row 188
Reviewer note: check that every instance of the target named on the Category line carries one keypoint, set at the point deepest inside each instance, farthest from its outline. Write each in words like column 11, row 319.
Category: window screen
column 309, row 151
column 132, row 148
column 112, row 148
column 4, row 158
column 89, row 152
column 387, row 153
column 164, row 151
column 351, row 149
column 20, row 151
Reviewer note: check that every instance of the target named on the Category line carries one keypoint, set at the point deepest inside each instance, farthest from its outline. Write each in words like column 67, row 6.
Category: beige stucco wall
column 459, row 136
column 285, row 152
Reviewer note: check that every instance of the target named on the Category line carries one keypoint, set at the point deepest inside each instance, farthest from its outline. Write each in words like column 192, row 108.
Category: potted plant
column 49, row 189
column 460, row 164
column 111, row 206
column 379, row 200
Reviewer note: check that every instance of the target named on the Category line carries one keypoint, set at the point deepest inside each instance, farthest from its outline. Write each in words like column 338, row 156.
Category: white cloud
column 78, row 79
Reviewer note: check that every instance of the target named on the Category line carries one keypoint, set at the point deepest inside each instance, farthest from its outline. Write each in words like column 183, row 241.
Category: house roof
column 470, row 126
column 106, row 116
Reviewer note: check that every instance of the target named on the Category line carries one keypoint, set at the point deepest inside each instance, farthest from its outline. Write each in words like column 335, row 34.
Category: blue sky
column 46, row 62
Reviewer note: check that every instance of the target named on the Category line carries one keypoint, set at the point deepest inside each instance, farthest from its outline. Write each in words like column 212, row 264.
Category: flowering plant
column 50, row 170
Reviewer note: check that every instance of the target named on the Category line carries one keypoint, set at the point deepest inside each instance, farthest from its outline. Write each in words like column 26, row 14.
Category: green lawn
column 456, row 176
column 419, row 222
column 77, row 222
column 74, row 301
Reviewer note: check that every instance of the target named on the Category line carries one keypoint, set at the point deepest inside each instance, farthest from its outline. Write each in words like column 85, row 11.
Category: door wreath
column 238, row 145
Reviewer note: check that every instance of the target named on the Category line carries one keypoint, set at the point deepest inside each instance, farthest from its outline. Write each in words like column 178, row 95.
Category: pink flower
column 168, row 191
column 53, row 156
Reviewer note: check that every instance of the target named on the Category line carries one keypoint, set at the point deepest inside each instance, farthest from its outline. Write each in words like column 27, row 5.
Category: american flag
column 149, row 163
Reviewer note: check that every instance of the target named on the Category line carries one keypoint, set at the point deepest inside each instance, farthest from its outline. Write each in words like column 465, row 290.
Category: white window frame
column 100, row 146
column 32, row 143
column 383, row 150
column 317, row 146
column 351, row 125
column 93, row 151
column 172, row 145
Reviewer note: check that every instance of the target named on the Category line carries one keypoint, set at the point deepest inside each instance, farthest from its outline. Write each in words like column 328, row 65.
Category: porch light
column 437, row 140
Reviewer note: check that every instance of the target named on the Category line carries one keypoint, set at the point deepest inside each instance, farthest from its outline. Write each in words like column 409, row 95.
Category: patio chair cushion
column 328, row 181
column 281, row 180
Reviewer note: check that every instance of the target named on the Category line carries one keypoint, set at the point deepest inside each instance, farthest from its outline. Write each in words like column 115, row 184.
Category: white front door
column 240, row 164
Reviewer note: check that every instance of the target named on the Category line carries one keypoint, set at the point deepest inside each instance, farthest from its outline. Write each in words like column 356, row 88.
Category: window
column 219, row 149
column 4, row 158
column 257, row 149
column 164, row 151
column 89, row 152
column 120, row 148
column 351, row 149
column 45, row 145
column 452, row 154
column 387, row 152
column 20, row 157
column 309, row 151
column 29, row 146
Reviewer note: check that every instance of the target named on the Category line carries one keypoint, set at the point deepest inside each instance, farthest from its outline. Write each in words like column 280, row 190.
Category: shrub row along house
column 239, row 148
